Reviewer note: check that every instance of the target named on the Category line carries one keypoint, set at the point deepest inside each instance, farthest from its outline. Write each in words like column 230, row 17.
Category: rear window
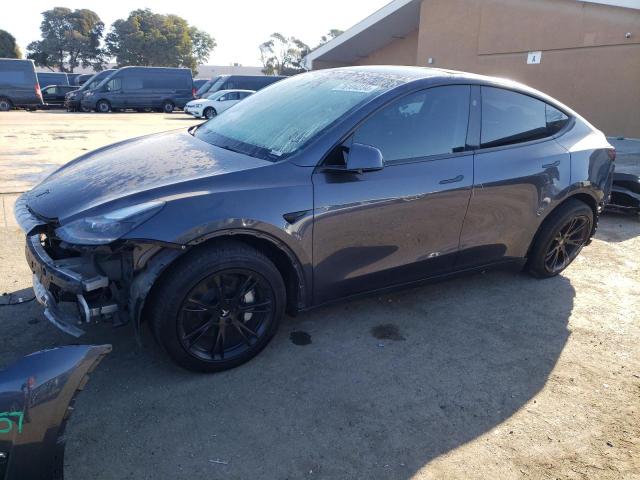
column 509, row 117
column 8, row 77
column 16, row 72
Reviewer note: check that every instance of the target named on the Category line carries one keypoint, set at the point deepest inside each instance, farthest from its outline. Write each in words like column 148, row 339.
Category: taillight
column 38, row 92
column 193, row 92
column 612, row 154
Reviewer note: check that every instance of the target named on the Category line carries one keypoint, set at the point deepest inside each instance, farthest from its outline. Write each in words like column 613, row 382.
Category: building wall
column 401, row 51
column 586, row 63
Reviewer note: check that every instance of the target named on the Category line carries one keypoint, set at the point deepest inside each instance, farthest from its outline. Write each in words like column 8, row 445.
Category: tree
column 8, row 46
column 69, row 39
column 151, row 39
column 282, row 55
column 333, row 33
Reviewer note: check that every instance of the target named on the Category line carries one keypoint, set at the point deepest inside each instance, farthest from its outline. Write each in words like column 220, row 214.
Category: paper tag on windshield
column 354, row 87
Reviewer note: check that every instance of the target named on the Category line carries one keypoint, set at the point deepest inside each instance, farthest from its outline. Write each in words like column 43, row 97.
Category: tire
column 5, row 104
column 209, row 112
column 202, row 298
column 560, row 239
column 168, row 106
column 103, row 106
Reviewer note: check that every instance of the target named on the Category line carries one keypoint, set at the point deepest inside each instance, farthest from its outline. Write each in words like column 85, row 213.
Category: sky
column 237, row 26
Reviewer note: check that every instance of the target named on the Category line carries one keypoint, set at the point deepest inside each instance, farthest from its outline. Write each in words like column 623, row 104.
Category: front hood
column 143, row 164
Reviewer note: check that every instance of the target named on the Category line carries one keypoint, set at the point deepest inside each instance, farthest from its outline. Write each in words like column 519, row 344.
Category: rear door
column 402, row 223
column 520, row 173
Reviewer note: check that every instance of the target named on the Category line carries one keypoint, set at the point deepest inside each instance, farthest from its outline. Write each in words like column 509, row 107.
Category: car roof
column 432, row 75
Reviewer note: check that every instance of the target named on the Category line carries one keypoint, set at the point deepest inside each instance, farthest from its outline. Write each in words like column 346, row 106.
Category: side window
column 509, row 117
column 556, row 120
column 425, row 123
column 114, row 84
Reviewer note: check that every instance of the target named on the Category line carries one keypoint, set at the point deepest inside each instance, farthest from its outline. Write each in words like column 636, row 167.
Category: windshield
column 94, row 80
column 280, row 119
column 207, row 86
column 100, row 82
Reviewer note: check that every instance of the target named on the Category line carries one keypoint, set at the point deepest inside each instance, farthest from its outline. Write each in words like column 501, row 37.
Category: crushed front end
column 83, row 284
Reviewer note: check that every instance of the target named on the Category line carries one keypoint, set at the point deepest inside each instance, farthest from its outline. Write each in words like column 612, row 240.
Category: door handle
column 452, row 180
column 550, row 165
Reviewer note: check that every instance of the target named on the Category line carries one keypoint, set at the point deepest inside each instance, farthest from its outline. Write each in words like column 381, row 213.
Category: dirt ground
column 490, row 376
column 33, row 144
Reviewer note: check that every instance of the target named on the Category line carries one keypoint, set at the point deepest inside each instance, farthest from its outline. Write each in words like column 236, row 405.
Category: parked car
column 199, row 82
column 54, row 95
column 138, row 88
column 215, row 103
column 233, row 82
column 18, row 85
column 52, row 78
column 326, row 185
column 73, row 99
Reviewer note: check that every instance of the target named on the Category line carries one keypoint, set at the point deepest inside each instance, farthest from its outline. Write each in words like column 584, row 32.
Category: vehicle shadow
column 460, row 357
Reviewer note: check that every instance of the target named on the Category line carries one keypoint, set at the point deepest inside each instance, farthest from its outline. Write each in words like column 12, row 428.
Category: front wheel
column 560, row 239
column 209, row 112
column 103, row 106
column 218, row 307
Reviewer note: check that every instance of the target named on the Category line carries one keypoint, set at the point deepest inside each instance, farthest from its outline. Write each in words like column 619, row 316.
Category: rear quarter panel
column 591, row 167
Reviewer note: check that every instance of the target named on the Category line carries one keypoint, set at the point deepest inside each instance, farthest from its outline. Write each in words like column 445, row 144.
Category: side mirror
column 364, row 158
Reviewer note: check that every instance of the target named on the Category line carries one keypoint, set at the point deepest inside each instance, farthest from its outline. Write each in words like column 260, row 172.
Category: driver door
column 402, row 223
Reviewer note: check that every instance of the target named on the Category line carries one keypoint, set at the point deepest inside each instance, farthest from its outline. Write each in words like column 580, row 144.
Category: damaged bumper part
column 76, row 280
column 36, row 399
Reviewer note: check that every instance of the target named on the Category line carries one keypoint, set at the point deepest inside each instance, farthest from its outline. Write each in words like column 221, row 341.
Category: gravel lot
column 494, row 375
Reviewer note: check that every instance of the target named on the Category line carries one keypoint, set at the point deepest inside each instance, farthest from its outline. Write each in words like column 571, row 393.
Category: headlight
column 106, row 228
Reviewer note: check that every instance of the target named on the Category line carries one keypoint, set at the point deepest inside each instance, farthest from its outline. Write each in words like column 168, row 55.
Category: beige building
column 584, row 53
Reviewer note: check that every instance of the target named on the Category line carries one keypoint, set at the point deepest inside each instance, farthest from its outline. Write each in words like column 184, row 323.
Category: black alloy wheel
column 225, row 315
column 217, row 307
column 560, row 238
column 209, row 112
column 567, row 243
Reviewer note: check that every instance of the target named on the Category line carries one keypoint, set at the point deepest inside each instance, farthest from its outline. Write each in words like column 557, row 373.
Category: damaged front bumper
column 70, row 279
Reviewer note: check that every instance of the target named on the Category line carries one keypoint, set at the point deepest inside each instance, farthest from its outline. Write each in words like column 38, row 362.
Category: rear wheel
column 209, row 112
column 5, row 104
column 168, row 106
column 218, row 308
column 560, row 239
column 103, row 106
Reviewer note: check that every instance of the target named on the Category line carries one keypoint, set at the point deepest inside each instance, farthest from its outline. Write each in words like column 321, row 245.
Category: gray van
column 52, row 78
column 237, row 82
column 72, row 99
column 140, row 88
column 18, row 84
